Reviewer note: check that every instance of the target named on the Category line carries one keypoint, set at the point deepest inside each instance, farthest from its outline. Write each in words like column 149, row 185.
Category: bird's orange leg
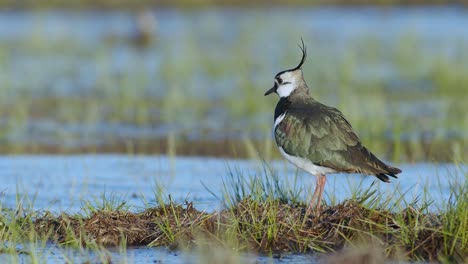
column 316, row 201
column 322, row 179
column 313, row 200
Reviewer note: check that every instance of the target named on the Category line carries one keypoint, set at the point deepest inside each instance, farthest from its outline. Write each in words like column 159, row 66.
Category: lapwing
column 317, row 138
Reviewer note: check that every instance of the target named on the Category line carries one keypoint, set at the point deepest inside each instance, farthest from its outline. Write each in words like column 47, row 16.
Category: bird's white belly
column 306, row 164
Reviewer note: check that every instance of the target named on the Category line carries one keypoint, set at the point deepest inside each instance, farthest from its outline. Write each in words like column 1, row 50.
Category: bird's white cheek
column 285, row 90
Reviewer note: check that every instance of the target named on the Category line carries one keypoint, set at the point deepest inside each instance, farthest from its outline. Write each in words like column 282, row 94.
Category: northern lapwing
column 318, row 138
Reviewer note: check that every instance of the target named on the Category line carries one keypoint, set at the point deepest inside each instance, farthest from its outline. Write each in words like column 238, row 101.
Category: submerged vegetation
column 262, row 216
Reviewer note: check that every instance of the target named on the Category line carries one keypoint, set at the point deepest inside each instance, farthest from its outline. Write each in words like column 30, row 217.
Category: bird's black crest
column 304, row 56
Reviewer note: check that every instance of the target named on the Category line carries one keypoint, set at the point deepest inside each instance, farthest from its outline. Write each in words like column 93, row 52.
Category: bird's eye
column 279, row 80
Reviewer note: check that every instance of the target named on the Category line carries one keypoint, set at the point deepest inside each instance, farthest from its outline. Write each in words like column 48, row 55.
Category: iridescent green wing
column 321, row 134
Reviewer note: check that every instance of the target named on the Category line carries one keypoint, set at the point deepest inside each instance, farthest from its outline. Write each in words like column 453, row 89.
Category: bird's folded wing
column 322, row 135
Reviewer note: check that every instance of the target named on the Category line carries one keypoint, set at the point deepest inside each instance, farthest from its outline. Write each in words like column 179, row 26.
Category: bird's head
column 289, row 80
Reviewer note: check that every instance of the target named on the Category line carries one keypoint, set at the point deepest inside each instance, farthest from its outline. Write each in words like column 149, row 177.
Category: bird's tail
column 389, row 171
column 381, row 170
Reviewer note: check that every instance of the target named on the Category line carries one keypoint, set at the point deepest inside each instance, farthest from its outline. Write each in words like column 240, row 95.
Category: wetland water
column 62, row 183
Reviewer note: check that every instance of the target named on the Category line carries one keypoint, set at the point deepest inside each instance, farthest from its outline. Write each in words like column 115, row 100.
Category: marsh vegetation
column 263, row 215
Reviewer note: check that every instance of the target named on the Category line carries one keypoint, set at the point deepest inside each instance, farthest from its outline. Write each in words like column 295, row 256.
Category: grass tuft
column 262, row 215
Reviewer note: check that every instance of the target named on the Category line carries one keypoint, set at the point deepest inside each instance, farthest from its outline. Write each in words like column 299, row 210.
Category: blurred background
column 188, row 77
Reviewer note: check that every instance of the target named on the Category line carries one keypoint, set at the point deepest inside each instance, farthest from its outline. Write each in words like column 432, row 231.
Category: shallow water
column 61, row 183
column 53, row 254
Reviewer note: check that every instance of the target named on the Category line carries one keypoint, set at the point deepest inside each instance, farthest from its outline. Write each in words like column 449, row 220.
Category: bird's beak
column 272, row 90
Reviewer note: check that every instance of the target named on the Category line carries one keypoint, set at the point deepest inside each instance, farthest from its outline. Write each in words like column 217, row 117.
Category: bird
column 317, row 138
